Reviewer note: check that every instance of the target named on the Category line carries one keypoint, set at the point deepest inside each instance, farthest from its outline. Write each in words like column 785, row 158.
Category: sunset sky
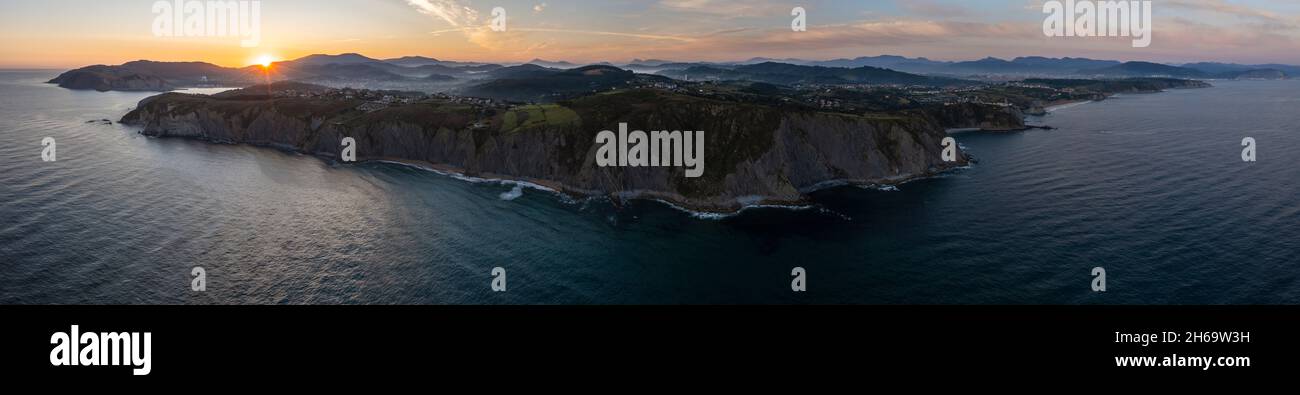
column 72, row 33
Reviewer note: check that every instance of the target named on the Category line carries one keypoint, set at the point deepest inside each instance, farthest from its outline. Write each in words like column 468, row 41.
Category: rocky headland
column 754, row 154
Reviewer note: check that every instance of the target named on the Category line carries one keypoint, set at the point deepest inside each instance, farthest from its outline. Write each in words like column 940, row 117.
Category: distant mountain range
column 1146, row 69
column 1136, row 69
column 557, row 65
column 788, row 74
column 344, row 69
column 1032, row 66
column 1035, row 65
column 425, row 73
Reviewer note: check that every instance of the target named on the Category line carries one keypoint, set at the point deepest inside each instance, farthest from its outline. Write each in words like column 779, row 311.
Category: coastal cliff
column 754, row 154
column 110, row 78
column 973, row 116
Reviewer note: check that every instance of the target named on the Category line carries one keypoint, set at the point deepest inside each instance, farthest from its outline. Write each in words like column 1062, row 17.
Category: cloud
column 486, row 38
column 537, row 9
column 1259, row 19
column 1189, row 29
column 605, row 33
column 451, row 11
column 1183, row 33
column 733, row 9
column 882, row 33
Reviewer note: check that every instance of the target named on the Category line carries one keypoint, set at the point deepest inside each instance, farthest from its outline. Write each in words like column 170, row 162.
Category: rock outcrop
column 978, row 116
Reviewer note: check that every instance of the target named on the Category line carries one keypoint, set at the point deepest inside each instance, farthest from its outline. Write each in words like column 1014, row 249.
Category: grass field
column 531, row 116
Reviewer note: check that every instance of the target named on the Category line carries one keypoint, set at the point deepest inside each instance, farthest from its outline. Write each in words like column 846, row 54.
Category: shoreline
column 698, row 212
column 1064, row 104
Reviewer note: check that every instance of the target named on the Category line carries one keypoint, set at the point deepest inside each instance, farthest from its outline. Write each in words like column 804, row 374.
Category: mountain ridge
column 435, row 74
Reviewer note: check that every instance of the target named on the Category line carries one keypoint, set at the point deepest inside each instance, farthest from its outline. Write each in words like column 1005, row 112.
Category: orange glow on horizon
column 265, row 61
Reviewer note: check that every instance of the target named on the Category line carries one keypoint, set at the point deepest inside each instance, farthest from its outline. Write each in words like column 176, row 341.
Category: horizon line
column 632, row 61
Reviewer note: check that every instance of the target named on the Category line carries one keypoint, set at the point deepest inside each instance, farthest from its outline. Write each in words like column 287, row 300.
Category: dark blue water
column 1151, row 187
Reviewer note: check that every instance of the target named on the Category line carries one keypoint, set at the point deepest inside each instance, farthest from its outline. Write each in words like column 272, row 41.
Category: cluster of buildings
column 1026, row 85
column 386, row 97
column 949, row 99
column 668, row 86
column 473, row 101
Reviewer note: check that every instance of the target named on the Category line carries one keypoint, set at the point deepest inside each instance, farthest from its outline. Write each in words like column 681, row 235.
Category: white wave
column 519, row 185
column 706, row 215
column 883, row 188
column 475, row 180
column 513, row 194
column 1067, row 105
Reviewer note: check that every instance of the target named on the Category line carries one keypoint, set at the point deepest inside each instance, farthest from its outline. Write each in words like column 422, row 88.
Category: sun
column 265, row 61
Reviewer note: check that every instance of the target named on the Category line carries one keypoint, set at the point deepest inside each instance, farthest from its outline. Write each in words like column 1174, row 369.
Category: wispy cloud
column 454, row 12
column 883, row 33
column 475, row 30
column 728, row 8
column 1223, row 8
column 933, row 28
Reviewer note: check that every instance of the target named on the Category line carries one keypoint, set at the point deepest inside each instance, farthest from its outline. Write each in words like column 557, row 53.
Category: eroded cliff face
column 753, row 154
column 977, row 116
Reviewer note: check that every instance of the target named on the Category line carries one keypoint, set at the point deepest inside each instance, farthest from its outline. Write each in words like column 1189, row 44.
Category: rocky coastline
column 755, row 154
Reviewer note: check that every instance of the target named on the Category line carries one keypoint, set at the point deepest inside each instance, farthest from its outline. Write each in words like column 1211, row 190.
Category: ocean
column 1150, row 187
